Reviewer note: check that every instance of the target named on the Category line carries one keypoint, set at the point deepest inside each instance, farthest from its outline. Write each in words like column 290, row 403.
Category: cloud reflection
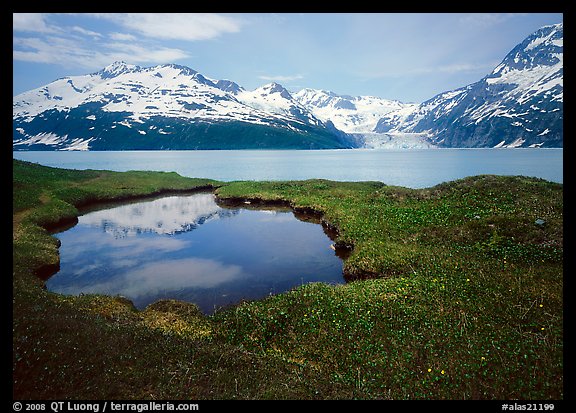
column 164, row 276
column 169, row 215
column 105, row 257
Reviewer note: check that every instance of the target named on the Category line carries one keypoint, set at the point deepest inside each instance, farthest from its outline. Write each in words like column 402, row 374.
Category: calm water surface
column 409, row 168
column 189, row 248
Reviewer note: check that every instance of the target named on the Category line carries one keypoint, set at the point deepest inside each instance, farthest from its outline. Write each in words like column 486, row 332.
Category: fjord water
column 189, row 248
column 412, row 168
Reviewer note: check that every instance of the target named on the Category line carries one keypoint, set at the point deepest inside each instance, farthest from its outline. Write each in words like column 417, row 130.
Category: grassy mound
column 458, row 295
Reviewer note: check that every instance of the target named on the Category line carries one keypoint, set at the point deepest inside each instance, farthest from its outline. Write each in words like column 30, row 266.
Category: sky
column 409, row 57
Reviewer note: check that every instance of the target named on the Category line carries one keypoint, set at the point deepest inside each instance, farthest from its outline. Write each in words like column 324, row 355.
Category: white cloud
column 485, row 20
column 138, row 40
column 467, row 67
column 399, row 71
column 85, row 32
column 50, row 49
column 123, row 37
column 139, row 53
column 453, row 68
column 74, row 52
column 31, row 22
column 176, row 26
column 281, row 78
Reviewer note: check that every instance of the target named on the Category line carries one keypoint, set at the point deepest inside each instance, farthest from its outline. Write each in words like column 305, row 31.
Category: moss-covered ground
column 455, row 292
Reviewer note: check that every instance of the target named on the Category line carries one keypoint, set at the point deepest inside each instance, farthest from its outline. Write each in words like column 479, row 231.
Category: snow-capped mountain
column 358, row 116
column 274, row 98
column 162, row 107
column 351, row 114
column 519, row 104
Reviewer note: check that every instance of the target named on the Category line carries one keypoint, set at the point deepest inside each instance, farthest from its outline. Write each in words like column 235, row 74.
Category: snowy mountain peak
column 543, row 48
column 275, row 98
column 115, row 69
column 549, row 38
column 229, row 86
column 533, row 67
column 167, row 106
column 274, row 87
column 185, row 70
column 324, row 99
column 359, row 114
column 520, row 103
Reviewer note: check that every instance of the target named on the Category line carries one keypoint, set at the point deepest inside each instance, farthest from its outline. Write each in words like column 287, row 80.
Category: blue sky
column 405, row 56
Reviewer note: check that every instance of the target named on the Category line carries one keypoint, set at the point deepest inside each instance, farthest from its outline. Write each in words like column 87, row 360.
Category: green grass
column 461, row 299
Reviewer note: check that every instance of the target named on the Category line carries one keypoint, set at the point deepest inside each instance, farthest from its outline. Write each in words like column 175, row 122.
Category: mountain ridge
column 518, row 104
column 148, row 105
column 170, row 106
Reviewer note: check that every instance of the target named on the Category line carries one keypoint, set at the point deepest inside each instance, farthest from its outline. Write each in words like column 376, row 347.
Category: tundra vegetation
column 454, row 292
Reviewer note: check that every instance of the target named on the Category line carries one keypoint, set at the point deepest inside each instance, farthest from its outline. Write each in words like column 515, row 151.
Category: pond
column 192, row 249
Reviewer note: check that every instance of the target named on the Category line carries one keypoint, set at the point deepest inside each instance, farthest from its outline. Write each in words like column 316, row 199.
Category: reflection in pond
column 191, row 249
column 169, row 215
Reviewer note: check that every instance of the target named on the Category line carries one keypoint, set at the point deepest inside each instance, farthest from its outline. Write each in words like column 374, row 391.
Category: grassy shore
column 458, row 295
